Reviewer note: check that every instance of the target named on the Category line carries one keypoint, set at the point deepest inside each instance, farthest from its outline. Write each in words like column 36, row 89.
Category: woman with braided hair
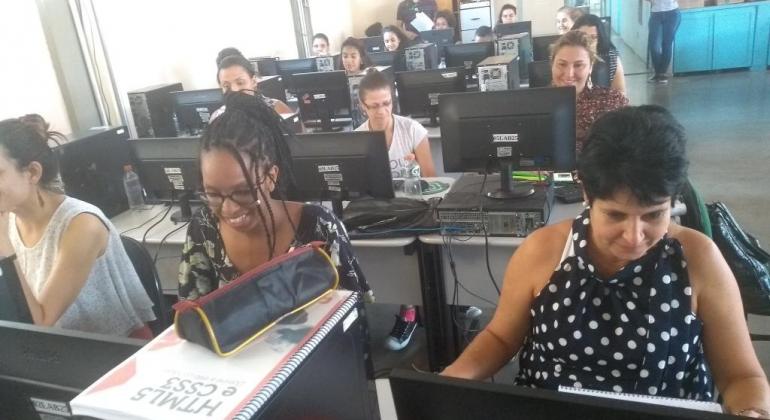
column 246, row 171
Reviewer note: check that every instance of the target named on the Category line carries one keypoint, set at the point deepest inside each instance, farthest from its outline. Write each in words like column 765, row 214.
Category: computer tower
column 153, row 110
column 500, row 72
column 91, row 166
column 422, row 56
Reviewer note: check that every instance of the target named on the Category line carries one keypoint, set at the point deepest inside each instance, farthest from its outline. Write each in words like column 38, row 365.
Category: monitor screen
column 540, row 74
column 322, row 97
column 265, row 66
column 440, row 37
column 394, row 59
column 468, row 55
column 373, row 44
column 272, row 87
column 418, row 91
column 288, row 68
column 340, row 166
column 541, row 47
column 502, row 29
column 91, row 167
column 43, row 368
column 515, row 129
column 193, row 109
column 418, row 395
column 167, row 167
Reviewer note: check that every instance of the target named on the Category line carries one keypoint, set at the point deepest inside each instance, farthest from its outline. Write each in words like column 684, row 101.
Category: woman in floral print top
column 243, row 225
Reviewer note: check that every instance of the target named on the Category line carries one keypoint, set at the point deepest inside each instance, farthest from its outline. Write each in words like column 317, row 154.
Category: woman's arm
column 82, row 242
column 424, row 158
column 737, row 372
column 529, row 269
column 619, row 82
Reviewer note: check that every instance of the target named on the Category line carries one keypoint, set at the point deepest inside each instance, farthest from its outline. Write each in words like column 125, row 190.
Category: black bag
column 373, row 216
column 750, row 263
column 229, row 318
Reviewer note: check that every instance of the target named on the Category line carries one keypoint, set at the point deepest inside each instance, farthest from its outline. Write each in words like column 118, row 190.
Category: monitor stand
column 184, row 214
column 326, row 113
column 510, row 189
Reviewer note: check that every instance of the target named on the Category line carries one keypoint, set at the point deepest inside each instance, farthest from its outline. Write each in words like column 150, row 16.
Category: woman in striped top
column 592, row 26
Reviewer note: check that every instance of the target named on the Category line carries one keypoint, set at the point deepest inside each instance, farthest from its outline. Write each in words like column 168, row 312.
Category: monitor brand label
column 328, row 168
column 56, row 408
column 449, row 75
column 333, row 177
column 504, row 151
column 169, row 171
column 505, row 138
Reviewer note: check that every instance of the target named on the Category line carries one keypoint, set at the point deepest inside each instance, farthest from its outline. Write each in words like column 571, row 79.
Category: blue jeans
column 663, row 26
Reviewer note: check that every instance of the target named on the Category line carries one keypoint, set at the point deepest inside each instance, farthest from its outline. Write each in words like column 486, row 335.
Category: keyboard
column 568, row 193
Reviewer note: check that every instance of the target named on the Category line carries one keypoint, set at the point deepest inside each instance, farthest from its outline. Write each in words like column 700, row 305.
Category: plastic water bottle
column 133, row 187
column 412, row 188
column 442, row 64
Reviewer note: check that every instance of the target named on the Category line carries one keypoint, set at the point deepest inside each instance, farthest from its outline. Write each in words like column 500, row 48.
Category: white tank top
column 112, row 300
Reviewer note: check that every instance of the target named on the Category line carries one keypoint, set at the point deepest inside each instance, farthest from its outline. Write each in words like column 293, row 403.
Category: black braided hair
column 249, row 126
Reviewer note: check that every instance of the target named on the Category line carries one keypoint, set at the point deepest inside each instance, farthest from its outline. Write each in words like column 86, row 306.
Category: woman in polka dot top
column 620, row 299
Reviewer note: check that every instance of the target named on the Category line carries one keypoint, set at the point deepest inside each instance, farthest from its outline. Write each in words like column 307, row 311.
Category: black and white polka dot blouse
column 633, row 332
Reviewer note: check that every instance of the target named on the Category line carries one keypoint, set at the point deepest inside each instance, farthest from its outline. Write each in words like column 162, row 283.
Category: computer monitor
column 607, row 21
column 272, row 87
column 394, row 59
column 193, row 109
column 91, row 166
column 418, row 91
column 541, row 47
column 427, row 396
column 503, row 29
column 540, row 74
column 468, row 55
column 340, row 166
column 13, row 304
column 440, row 37
column 373, row 44
column 265, row 66
column 322, row 97
column 169, row 171
column 288, row 68
column 43, row 368
column 516, row 129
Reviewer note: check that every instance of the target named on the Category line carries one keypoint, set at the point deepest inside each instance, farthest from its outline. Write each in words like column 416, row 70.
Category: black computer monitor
column 373, row 44
column 516, row 129
column 43, row 368
column 288, row 68
column 503, row 29
column 540, row 74
column 265, row 66
column 91, row 166
column 541, row 47
column 272, row 87
column 322, row 97
column 340, row 166
column 418, row 91
column 193, row 109
column 13, row 304
column 169, row 171
column 426, row 396
column 395, row 59
column 468, row 55
column 440, row 37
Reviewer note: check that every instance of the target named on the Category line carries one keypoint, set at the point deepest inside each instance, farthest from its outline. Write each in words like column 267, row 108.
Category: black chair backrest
column 541, row 47
column 145, row 269
column 607, row 21
column 540, row 73
column 600, row 75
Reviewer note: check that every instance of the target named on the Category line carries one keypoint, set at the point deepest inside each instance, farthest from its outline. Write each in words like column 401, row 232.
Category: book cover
column 171, row 378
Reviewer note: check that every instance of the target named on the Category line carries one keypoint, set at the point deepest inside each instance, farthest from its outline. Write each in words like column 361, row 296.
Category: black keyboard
column 568, row 193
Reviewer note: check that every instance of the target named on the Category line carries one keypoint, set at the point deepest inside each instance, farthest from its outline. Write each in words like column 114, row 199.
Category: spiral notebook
column 649, row 399
column 171, row 378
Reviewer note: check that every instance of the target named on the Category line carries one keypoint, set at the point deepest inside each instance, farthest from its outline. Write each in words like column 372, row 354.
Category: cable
column 144, row 223
column 168, row 210
column 163, row 240
column 484, row 226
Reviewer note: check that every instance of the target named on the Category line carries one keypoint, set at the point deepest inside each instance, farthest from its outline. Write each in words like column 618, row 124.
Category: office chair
column 145, row 269
column 600, row 75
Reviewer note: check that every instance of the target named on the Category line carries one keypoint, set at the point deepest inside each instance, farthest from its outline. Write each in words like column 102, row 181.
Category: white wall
column 151, row 42
column 367, row 12
column 333, row 18
column 27, row 79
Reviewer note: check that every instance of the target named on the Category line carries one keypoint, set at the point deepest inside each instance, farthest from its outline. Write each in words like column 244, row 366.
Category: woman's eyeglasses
column 244, row 198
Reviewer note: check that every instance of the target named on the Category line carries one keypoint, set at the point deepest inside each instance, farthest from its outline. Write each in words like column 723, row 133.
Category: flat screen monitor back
column 91, row 167
column 426, row 396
